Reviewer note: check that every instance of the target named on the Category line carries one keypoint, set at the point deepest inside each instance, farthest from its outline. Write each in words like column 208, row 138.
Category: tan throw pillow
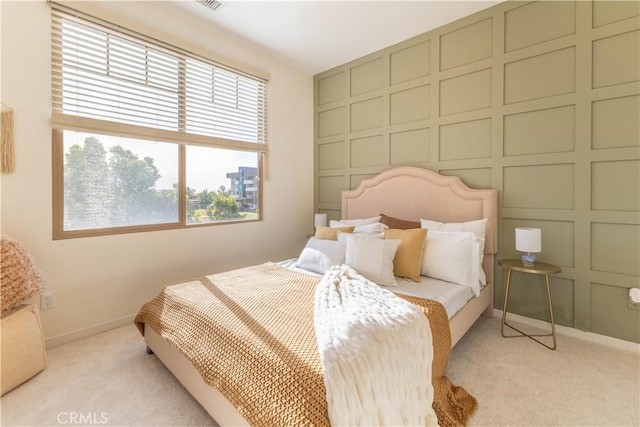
column 20, row 279
column 399, row 224
column 329, row 233
column 409, row 254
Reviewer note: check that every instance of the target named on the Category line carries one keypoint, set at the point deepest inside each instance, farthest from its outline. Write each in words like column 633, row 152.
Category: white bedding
column 453, row 297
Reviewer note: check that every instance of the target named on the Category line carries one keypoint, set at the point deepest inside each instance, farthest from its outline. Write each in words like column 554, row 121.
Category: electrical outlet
column 47, row 300
column 633, row 305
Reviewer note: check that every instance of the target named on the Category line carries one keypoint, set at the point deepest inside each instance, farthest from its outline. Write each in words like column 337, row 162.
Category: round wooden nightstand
column 538, row 268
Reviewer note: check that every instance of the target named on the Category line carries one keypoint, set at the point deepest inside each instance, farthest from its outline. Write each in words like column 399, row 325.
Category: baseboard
column 573, row 332
column 68, row 337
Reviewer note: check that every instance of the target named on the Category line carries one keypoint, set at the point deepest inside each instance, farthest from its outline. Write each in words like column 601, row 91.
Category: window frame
column 68, row 122
column 58, row 199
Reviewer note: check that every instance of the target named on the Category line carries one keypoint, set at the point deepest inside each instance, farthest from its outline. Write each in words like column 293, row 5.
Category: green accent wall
column 539, row 100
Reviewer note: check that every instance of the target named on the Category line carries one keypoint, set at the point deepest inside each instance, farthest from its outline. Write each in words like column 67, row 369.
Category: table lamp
column 528, row 240
column 320, row 220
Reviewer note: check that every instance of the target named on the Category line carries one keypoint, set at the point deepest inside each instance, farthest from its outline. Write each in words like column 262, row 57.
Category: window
column 147, row 136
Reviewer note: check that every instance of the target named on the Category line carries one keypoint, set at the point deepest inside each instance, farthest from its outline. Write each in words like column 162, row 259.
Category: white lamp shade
column 320, row 220
column 528, row 240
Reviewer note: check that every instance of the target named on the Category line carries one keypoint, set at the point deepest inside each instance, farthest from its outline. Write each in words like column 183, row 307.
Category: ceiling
column 316, row 35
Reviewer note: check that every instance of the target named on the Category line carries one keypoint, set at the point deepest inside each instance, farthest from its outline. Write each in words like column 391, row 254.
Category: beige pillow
column 408, row 257
column 331, row 233
column 20, row 279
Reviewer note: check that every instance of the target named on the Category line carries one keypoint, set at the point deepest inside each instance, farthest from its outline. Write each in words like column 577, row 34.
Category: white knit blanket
column 376, row 352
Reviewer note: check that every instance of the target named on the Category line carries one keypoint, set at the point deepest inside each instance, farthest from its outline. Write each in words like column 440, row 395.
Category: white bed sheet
column 452, row 296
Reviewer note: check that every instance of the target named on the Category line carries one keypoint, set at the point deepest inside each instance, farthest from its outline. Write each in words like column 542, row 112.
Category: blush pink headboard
column 412, row 193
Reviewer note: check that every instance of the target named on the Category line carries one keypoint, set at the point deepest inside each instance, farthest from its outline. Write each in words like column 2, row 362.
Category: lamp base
column 528, row 259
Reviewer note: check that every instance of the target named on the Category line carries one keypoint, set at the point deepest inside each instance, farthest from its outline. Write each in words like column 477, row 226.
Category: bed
column 406, row 193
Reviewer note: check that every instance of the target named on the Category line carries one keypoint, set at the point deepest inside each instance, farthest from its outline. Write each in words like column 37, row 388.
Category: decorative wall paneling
column 540, row 100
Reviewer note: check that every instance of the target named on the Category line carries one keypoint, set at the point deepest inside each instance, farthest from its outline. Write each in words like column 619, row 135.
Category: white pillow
column 477, row 227
column 361, row 221
column 453, row 257
column 320, row 255
column 372, row 257
column 480, row 245
column 373, row 228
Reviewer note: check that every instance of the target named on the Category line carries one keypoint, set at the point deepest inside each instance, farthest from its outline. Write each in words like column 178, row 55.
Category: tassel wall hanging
column 7, row 160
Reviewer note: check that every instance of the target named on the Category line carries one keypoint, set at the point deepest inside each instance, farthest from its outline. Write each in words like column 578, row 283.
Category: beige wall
column 101, row 282
column 538, row 100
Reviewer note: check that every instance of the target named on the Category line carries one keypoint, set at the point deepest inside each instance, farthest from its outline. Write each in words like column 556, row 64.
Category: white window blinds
column 110, row 80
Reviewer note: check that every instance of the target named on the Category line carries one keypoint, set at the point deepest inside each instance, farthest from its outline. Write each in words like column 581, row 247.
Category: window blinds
column 109, row 80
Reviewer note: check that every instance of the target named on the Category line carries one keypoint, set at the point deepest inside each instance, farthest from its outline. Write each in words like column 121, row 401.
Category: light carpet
column 518, row 382
column 110, row 380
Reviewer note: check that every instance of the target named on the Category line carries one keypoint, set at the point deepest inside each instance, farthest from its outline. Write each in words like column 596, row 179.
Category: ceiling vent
column 211, row 4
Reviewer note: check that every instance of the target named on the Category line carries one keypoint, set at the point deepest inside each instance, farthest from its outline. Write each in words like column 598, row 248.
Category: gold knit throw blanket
column 20, row 279
column 250, row 334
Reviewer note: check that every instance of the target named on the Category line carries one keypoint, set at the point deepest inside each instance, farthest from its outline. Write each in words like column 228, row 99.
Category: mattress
column 452, row 296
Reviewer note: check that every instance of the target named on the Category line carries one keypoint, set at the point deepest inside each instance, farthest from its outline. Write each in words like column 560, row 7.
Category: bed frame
column 407, row 193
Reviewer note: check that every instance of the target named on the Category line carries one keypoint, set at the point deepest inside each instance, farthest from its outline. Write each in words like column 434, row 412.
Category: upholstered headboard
column 412, row 193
